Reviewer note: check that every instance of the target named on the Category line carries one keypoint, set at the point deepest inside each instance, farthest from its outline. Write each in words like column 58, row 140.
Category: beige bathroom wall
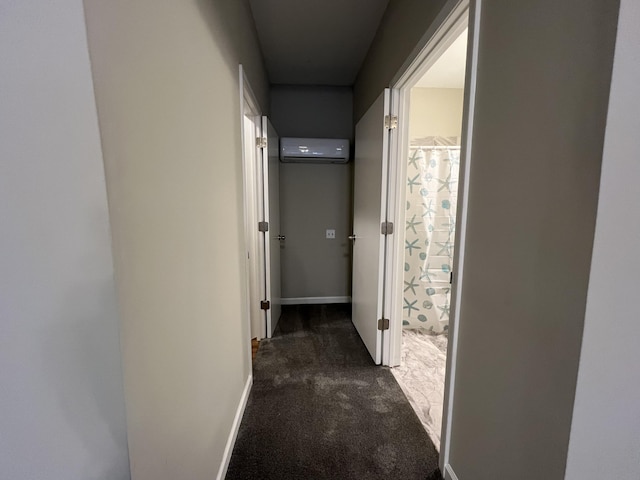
column 435, row 112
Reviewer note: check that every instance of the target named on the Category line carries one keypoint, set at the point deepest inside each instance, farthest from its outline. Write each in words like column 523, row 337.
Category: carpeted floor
column 320, row 408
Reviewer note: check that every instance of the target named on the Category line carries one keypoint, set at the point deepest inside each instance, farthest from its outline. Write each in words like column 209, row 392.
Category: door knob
column 281, row 237
column 352, row 237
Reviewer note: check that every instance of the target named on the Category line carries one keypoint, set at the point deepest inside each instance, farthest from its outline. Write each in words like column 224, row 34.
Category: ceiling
column 316, row 42
column 448, row 70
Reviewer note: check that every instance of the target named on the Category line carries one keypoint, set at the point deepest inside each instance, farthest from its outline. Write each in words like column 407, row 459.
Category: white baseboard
column 228, row 449
column 314, row 300
column 449, row 474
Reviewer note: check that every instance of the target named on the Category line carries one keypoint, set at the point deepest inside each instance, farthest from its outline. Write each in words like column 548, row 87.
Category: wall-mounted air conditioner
column 314, row 150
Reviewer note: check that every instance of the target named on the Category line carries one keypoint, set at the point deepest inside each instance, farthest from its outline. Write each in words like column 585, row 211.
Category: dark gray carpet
column 320, row 408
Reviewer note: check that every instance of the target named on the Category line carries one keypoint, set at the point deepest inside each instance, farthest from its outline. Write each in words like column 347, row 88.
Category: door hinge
column 386, row 228
column 263, row 226
column 391, row 121
column 261, row 142
column 265, row 304
column 383, row 324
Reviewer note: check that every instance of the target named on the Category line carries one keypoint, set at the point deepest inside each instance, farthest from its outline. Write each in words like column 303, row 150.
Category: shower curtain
column 432, row 186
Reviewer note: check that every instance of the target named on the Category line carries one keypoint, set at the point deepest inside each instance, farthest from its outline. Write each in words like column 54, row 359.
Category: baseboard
column 314, row 300
column 228, row 449
column 449, row 474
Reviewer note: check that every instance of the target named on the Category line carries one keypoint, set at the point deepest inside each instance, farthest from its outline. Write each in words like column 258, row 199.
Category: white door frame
column 250, row 118
column 455, row 16
column 270, row 191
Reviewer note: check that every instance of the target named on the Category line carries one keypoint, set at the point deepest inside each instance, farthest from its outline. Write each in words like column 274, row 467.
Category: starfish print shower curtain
column 432, row 186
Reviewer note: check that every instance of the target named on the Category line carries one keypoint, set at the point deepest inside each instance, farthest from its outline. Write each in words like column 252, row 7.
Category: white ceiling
column 316, row 42
column 448, row 70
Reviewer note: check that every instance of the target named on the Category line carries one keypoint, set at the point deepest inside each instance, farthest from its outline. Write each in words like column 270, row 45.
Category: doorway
column 430, row 197
column 262, row 216
column 434, row 100
column 419, row 128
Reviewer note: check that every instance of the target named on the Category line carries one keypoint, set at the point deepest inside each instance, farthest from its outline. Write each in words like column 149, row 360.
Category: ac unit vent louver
column 314, row 150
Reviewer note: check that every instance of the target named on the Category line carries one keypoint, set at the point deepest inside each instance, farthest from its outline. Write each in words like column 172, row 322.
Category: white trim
column 449, row 474
column 461, row 222
column 314, row 300
column 454, row 19
column 382, row 341
column 246, row 93
column 438, row 28
column 250, row 111
column 394, row 270
column 233, row 434
column 265, row 237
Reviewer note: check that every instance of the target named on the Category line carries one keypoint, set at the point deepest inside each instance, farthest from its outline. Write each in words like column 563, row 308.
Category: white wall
column 167, row 88
column 314, row 198
column 605, row 433
column 61, row 397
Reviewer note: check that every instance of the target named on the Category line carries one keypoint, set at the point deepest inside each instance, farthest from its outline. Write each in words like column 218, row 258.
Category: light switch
column 331, row 233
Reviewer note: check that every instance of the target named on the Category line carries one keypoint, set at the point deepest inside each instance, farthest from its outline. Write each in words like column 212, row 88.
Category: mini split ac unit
column 314, row 150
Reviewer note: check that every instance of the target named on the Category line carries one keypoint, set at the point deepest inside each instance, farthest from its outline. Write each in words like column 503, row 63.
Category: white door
column 272, row 237
column 369, row 211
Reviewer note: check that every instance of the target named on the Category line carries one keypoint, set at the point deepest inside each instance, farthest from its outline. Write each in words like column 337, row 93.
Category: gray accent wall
column 543, row 87
column 403, row 25
column 167, row 88
column 541, row 105
column 62, row 409
column 314, row 197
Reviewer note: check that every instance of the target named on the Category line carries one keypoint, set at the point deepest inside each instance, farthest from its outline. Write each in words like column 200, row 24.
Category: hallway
column 319, row 408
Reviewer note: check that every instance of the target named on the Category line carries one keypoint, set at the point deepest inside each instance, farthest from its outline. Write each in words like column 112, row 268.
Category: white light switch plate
column 331, row 233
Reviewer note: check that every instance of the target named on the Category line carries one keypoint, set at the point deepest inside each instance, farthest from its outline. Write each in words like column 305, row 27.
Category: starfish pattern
column 430, row 217
column 446, row 183
column 411, row 246
column 413, row 182
column 410, row 306
column 411, row 224
column 424, row 273
column 450, row 225
column 410, row 285
column 445, row 248
column 414, row 158
column 429, row 210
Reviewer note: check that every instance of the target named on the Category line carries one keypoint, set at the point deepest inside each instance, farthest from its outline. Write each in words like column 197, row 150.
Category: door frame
column 267, row 154
column 250, row 127
column 451, row 21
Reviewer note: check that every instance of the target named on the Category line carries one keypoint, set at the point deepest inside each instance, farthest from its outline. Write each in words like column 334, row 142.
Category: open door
column 369, row 224
column 271, row 219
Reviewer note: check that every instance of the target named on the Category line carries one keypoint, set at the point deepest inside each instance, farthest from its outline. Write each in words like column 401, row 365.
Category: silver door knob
column 352, row 237
column 281, row 237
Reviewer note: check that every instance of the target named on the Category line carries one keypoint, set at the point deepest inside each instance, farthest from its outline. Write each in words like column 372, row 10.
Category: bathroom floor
column 421, row 377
